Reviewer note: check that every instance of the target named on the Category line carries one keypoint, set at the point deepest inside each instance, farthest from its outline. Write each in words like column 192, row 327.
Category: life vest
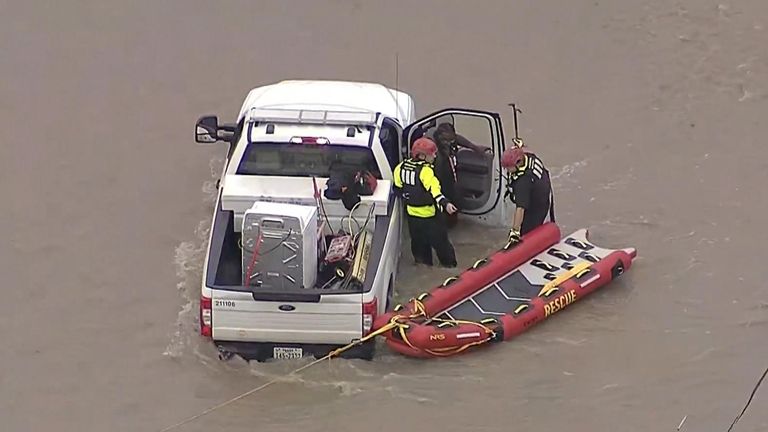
column 413, row 191
column 532, row 164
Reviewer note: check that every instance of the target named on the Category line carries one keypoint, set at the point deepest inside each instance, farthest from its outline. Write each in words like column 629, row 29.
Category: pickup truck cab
column 290, row 273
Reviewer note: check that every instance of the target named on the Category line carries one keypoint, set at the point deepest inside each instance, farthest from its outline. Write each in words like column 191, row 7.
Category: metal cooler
column 287, row 238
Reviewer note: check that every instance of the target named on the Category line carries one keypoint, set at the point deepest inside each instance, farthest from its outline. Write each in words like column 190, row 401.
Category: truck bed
column 224, row 271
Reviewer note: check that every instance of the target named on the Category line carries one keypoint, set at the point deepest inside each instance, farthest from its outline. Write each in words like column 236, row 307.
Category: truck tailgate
column 236, row 317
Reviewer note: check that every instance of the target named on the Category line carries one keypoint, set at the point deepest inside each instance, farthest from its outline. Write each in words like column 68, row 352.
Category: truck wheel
column 225, row 355
column 368, row 350
column 390, row 295
column 364, row 351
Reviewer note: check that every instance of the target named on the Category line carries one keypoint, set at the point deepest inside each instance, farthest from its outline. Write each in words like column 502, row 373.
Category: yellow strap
column 394, row 323
column 397, row 323
column 455, row 321
column 552, row 286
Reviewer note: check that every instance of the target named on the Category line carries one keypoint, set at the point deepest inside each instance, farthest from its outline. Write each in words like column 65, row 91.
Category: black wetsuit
column 531, row 189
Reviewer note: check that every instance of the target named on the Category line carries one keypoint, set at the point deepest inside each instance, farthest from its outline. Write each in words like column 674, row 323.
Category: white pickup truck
column 290, row 273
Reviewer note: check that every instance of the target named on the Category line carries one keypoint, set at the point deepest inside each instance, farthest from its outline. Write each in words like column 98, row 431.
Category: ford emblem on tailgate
column 286, row 308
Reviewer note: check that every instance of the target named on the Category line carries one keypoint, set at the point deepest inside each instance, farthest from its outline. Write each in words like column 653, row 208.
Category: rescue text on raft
column 503, row 295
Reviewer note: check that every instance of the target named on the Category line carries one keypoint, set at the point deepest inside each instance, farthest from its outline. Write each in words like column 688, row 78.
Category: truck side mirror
column 207, row 129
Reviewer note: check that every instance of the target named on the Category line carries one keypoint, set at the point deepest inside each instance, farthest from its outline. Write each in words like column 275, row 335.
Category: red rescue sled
column 503, row 295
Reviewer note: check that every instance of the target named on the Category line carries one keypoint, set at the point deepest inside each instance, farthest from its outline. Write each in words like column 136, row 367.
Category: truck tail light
column 369, row 316
column 206, row 317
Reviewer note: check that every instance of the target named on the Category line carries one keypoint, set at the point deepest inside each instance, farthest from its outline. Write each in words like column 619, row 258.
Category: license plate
column 286, row 353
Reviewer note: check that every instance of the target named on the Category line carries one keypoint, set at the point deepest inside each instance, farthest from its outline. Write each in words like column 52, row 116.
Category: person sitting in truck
column 448, row 143
column 415, row 181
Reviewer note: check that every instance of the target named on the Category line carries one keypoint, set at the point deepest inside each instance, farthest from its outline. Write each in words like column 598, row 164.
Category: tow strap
column 398, row 323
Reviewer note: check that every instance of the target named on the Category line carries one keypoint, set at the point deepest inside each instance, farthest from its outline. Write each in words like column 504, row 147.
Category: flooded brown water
column 650, row 113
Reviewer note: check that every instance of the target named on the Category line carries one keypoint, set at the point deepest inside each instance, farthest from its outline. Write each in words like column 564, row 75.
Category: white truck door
column 480, row 183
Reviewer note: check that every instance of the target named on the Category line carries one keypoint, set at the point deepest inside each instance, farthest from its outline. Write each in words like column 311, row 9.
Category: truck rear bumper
column 265, row 351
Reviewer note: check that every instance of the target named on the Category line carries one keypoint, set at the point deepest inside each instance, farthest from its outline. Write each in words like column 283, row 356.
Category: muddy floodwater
column 650, row 114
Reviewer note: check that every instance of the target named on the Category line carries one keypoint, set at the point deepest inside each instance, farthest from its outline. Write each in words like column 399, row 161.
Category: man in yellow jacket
column 416, row 182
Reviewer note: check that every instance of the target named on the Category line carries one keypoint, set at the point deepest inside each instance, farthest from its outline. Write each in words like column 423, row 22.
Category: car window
column 304, row 160
column 390, row 143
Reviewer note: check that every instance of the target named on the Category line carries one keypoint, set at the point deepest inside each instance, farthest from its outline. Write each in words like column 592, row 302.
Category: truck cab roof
column 327, row 95
column 278, row 141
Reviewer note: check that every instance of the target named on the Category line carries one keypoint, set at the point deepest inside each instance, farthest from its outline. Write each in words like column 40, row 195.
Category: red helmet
column 511, row 157
column 424, row 147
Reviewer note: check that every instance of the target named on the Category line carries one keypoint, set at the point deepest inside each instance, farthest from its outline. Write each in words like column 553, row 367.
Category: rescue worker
column 530, row 188
column 448, row 140
column 415, row 180
column 448, row 143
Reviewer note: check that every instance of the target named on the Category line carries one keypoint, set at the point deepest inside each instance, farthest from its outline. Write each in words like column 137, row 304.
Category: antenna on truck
column 515, row 110
column 397, row 82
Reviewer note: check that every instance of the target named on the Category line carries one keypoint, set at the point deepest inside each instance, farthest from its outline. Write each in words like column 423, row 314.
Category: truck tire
column 367, row 350
column 390, row 294
column 364, row 351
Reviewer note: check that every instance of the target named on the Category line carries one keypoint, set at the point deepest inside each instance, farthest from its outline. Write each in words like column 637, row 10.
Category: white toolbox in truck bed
column 240, row 192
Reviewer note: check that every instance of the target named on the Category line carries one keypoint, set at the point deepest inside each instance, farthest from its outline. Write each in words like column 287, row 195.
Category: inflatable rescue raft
column 503, row 295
